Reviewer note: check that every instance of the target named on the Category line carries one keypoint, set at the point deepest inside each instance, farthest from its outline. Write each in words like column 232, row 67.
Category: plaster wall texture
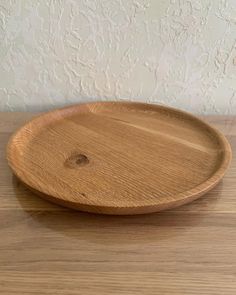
column 58, row 52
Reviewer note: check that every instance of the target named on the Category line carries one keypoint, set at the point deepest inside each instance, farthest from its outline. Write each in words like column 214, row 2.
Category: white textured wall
column 56, row 52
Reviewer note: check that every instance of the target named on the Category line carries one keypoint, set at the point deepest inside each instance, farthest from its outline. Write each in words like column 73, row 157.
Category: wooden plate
column 119, row 157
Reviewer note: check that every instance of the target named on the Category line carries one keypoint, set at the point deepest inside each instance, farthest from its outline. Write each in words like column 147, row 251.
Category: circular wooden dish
column 119, row 157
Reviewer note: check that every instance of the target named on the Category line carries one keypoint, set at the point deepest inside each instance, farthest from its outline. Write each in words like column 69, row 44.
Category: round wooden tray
column 119, row 157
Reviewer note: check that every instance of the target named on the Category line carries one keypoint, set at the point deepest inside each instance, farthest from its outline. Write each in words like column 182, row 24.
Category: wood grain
column 48, row 249
column 119, row 158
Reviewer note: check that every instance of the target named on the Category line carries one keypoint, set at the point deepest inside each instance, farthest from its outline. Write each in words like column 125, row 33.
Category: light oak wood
column 119, row 158
column 48, row 249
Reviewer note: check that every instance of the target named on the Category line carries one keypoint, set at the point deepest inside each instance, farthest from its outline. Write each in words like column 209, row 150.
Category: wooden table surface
column 46, row 249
